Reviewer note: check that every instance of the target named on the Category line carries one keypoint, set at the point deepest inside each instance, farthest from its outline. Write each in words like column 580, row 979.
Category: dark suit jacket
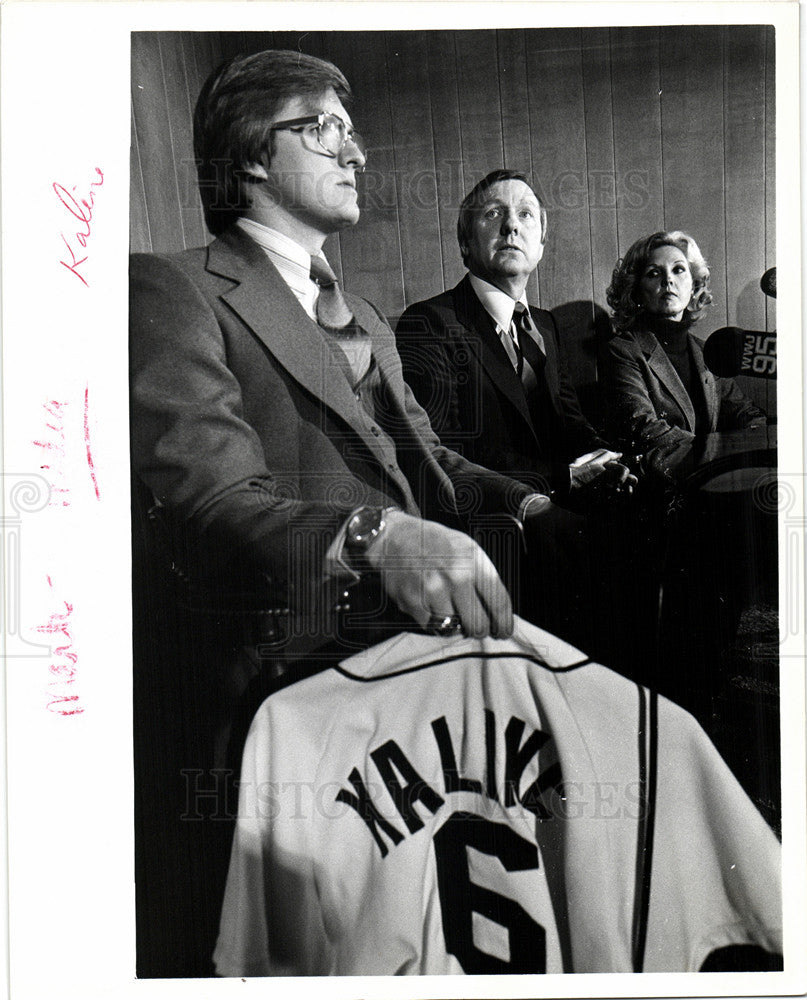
column 247, row 434
column 650, row 410
column 461, row 374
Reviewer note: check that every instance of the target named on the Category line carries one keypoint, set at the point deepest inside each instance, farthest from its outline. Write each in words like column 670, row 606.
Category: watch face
column 364, row 525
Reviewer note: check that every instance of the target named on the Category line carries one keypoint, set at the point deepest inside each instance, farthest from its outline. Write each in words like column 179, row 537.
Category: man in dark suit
column 485, row 364
column 282, row 470
column 486, row 367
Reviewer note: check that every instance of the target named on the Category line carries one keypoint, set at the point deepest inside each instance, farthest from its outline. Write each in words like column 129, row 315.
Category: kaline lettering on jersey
column 408, row 790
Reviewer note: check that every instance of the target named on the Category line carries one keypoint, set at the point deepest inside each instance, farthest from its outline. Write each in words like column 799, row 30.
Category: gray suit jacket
column 249, row 438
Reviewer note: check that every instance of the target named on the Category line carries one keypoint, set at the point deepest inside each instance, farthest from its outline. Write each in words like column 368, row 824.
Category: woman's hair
column 231, row 123
column 622, row 292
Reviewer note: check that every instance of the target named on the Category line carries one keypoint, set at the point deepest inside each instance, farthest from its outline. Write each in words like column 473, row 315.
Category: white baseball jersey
column 449, row 806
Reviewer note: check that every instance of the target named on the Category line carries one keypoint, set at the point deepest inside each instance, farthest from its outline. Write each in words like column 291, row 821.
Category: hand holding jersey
column 434, row 572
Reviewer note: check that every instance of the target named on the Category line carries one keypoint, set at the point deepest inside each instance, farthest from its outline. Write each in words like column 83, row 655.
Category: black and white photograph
column 382, row 531
column 410, row 502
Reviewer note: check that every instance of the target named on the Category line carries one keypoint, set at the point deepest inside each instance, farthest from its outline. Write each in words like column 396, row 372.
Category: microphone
column 768, row 282
column 731, row 351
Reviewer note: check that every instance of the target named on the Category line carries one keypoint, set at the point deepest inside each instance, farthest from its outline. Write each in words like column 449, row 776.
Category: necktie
column 332, row 310
column 510, row 344
column 335, row 317
column 527, row 330
column 531, row 348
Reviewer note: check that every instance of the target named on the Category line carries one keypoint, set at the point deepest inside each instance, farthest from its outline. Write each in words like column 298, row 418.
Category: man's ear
column 256, row 171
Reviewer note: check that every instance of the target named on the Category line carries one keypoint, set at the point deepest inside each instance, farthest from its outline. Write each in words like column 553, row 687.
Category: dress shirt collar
column 498, row 304
column 276, row 244
column 292, row 261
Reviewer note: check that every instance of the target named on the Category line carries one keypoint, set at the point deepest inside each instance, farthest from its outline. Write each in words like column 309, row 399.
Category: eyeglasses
column 332, row 133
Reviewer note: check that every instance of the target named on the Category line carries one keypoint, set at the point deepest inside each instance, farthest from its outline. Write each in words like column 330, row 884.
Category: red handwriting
column 81, row 210
column 64, row 664
column 87, row 447
column 63, row 699
column 55, row 443
column 54, row 446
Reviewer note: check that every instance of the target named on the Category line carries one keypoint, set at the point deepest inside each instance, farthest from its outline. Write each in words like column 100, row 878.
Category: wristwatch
column 363, row 528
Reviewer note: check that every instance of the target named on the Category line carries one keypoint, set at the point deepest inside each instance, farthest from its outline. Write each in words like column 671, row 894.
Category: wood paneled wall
column 623, row 130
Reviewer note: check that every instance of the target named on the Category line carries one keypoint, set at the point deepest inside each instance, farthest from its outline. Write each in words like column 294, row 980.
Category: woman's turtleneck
column 673, row 335
column 670, row 333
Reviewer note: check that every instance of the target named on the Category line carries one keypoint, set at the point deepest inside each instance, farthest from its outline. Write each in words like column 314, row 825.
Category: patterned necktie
column 527, row 330
column 332, row 310
column 532, row 350
column 335, row 317
column 531, row 359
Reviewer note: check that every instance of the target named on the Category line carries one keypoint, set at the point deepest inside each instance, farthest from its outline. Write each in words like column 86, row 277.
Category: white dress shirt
column 292, row 261
column 500, row 306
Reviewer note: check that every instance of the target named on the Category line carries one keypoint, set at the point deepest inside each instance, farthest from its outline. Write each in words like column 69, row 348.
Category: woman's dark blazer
column 648, row 406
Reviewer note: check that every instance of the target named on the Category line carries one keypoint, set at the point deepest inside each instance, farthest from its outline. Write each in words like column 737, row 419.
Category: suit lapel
column 707, row 381
column 662, row 368
column 383, row 344
column 388, row 361
column 267, row 305
column 485, row 343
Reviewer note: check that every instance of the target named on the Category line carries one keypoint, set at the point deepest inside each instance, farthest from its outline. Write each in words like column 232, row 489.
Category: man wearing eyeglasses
column 282, row 468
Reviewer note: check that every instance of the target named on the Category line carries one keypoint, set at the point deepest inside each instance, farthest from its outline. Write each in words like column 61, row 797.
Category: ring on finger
column 444, row 625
